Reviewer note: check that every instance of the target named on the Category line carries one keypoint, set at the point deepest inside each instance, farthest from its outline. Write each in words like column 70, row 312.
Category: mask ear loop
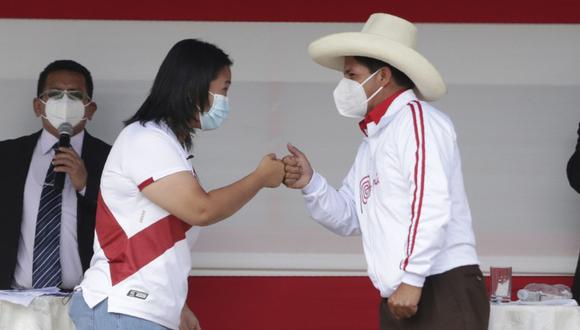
column 86, row 105
column 43, row 102
column 375, row 93
column 369, row 77
column 212, row 101
column 85, row 119
column 198, row 107
column 378, row 90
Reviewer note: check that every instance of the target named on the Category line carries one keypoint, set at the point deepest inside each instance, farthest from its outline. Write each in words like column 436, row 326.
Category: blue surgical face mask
column 216, row 115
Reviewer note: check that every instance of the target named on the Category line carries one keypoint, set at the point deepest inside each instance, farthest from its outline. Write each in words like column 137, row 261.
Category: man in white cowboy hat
column 404, row 192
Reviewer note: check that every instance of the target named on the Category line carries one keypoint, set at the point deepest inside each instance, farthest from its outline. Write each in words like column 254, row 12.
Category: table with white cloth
column 534, row 317
column 44, row 313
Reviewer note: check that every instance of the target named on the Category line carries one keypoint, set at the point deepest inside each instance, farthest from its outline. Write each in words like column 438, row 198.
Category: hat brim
column 329, row 51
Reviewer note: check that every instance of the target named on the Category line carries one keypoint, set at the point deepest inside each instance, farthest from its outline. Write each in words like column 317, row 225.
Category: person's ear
column 196, row 122
column 385, row 75
column 37, row 106
column 90, row 110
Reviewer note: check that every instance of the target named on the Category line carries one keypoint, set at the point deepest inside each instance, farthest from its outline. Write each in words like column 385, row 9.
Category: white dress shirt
column 70, row 260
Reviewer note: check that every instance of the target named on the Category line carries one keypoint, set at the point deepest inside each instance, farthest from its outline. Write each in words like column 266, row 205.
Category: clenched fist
column 297, row 167
column 404, row 302
column 271, row 171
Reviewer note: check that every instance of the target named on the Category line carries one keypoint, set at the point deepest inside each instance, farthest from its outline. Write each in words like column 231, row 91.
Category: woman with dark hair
column 151, row 203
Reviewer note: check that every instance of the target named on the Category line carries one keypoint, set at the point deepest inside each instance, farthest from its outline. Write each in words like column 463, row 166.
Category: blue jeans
column 86, row 318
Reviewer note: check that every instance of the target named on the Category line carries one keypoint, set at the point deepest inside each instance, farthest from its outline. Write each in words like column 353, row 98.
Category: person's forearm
column 225, row 201
column 333, row 209
column 183, row 197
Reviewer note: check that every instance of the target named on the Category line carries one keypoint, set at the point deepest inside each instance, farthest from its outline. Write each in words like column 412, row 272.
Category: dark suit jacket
column 16, row 157
column 573, row 171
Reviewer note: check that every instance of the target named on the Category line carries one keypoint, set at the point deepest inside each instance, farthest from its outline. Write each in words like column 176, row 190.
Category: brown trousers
column 454, row 300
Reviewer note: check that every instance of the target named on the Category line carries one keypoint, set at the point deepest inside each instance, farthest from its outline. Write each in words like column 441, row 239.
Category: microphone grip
column 63, row 141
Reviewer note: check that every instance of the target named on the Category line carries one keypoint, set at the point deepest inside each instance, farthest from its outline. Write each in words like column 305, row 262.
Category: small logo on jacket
column 365, row 191
column 137, row 294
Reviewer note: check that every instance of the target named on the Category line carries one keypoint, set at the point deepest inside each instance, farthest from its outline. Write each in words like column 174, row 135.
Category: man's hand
column 298, row 169
column 403, row 303
column 68, row 161
column 188, row 320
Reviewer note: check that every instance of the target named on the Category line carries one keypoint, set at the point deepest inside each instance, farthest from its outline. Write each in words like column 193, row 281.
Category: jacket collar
column 382, row 113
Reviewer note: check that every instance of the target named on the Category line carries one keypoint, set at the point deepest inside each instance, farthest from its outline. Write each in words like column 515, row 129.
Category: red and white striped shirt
column 404, row 193
column 142, row 253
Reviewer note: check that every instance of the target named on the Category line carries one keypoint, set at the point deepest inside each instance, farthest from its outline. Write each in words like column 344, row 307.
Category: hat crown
column 393, row 28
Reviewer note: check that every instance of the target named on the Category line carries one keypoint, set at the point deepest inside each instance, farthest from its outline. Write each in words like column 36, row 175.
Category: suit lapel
column 23, row 162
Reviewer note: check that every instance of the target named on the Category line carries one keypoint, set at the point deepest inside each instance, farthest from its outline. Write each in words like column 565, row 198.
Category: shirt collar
column 48, row 140
column 375, row 115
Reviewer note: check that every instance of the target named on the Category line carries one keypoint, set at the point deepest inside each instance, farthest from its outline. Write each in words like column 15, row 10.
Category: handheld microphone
column 65, row 130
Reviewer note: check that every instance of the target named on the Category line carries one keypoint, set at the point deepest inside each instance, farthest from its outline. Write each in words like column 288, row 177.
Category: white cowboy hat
column 387, row 38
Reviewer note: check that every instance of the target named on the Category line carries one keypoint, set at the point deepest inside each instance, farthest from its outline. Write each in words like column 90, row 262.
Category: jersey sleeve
column 150, row 155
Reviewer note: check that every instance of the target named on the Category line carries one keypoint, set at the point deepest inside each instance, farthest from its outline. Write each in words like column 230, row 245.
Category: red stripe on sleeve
column 416, row 186
column 420, row 143
column 145, row 183
column 422, row 173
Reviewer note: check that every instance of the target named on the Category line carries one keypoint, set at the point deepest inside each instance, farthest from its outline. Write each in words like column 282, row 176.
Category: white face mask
column 63, row 110
column 216, row 115
column 350, row 97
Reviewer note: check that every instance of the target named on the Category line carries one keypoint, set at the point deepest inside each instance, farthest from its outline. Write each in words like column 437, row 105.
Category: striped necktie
column 46, row 260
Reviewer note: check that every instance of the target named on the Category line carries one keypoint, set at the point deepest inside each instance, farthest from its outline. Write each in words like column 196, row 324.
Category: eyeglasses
column 59, row 93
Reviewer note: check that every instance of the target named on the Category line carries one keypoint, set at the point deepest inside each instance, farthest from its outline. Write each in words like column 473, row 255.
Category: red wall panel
column 289, row 303
column 443, row 11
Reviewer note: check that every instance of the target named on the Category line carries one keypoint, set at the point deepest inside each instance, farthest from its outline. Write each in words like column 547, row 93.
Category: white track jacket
column 404, row 193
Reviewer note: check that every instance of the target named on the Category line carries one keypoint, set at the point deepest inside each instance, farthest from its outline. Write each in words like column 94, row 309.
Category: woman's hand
column 270, row 171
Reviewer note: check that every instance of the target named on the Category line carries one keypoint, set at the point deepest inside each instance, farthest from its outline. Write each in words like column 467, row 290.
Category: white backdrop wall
column 514, row 96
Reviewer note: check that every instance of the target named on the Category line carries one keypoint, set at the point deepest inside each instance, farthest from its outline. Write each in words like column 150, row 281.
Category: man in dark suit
column 573, row 171
column 46, row 234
